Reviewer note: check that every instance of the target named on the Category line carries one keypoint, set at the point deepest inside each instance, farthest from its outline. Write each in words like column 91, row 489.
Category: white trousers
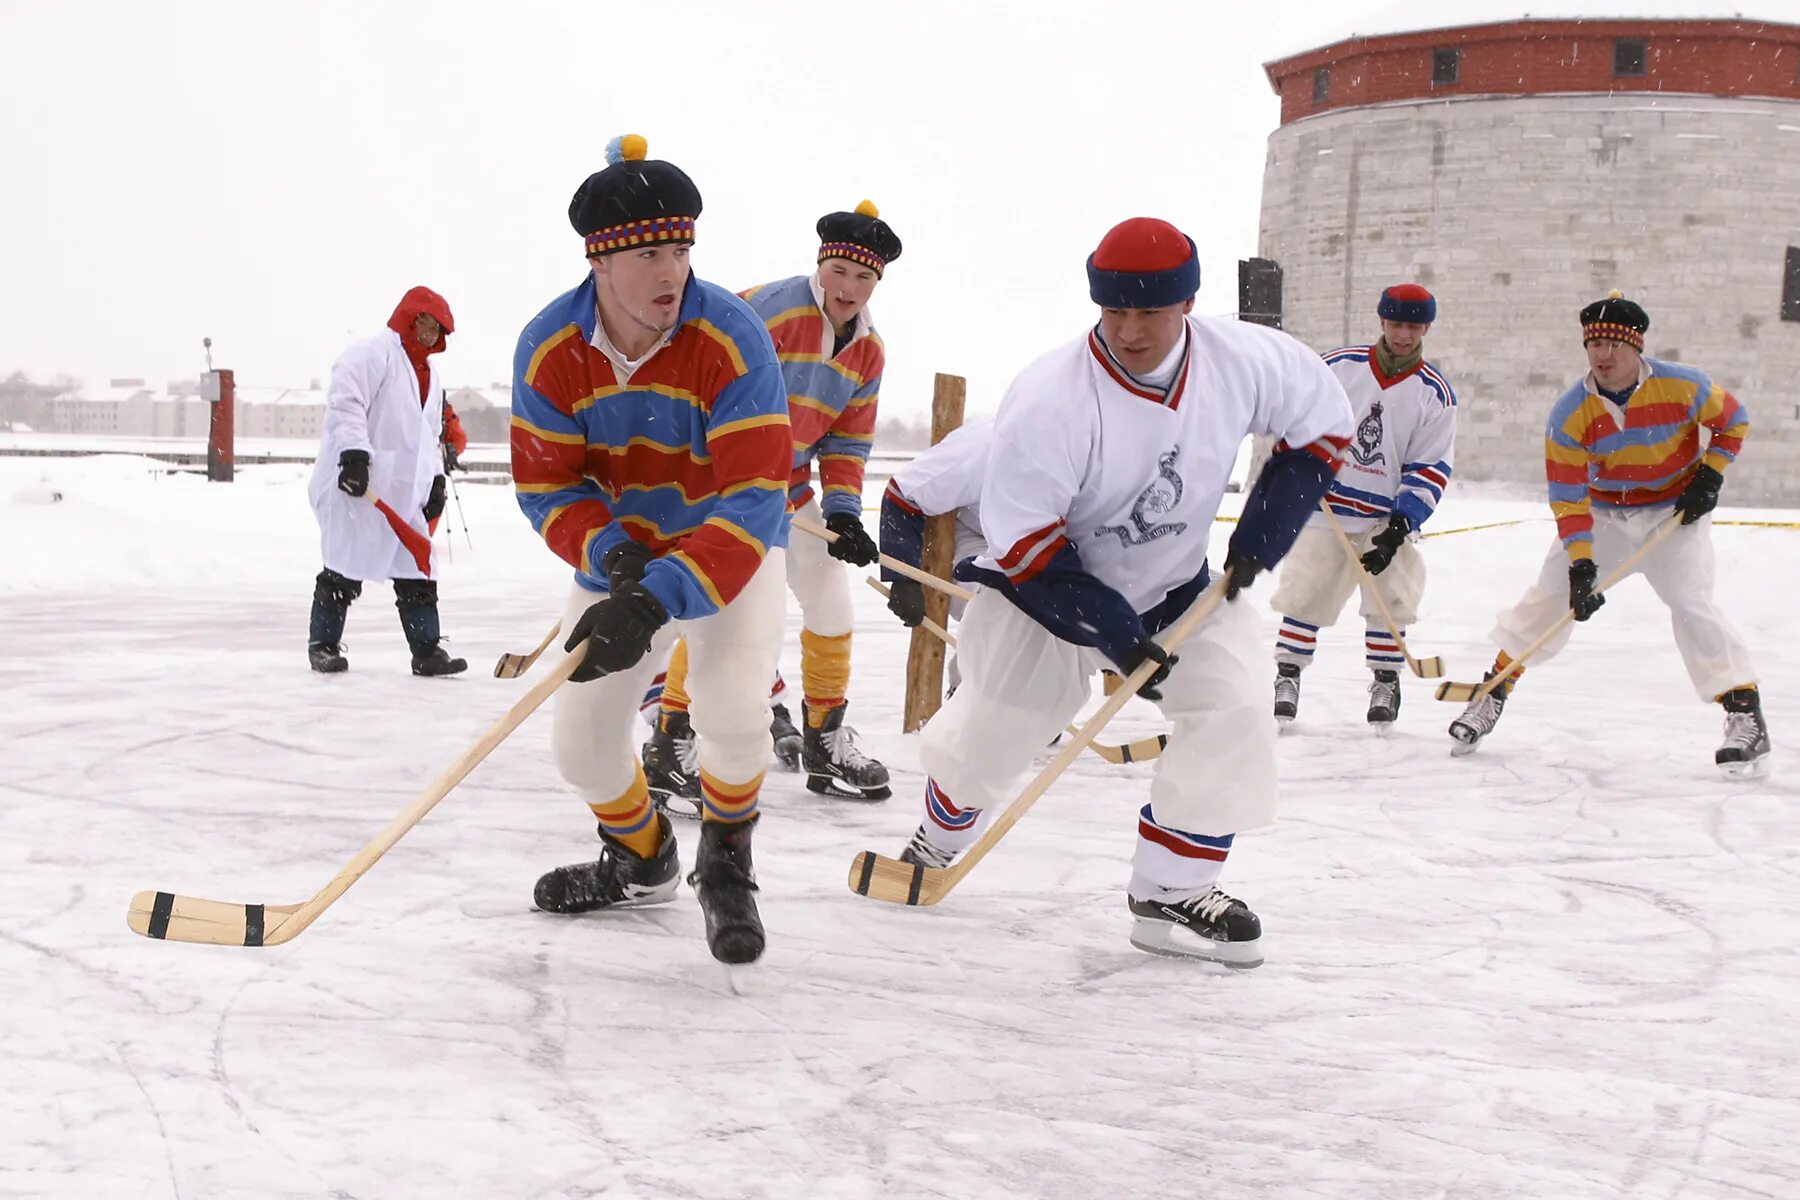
column 819, row 582
column 1317, row 577
column 1021, row 685
column 1681, row 573
column 731, row 658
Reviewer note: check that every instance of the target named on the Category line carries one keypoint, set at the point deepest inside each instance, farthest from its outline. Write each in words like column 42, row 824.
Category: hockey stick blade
column 511, row 666
column 1458, row 693
column 1428, row 668
column 168, row 917
column 1142, row 750
column 888, row 879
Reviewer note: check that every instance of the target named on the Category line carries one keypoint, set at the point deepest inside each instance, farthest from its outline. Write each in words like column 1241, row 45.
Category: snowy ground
column 1563, row 967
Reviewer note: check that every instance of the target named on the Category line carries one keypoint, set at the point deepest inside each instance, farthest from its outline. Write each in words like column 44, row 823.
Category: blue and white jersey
column 1402, row 446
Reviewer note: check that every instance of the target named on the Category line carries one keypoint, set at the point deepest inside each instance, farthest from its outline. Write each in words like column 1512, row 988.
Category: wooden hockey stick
column 511, row 666
column 1462, row 693
column 892, row 564
column 1424, row 668
column 1141, row 750
column 168, row 917
column 882, row 878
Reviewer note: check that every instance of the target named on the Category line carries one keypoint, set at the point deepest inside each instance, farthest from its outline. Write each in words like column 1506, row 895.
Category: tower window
column 1446, row 65
column 1321, row 84
column 1790, row 286
column 1629, row 55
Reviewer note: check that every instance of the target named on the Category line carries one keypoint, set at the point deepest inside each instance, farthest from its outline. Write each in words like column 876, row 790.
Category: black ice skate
column 1384, row 701
column 327, row 659
column 921, row 852
column 1744, row 754
column 1478, row 720
column 836, row 766
column 785, row 738
column 1287, row 692
column 672, row 766
column 620, row 879
column 724, row 881
column 434, row 660
column 1211, row 926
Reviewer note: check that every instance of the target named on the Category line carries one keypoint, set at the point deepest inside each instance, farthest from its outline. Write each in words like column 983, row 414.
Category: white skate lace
column 687, row 753
column 1383, row 692
column 1482, row 714
column 844, row 749
column 1210, row 904
column 1287, row 688
column 1741, row 731
column 925, row 852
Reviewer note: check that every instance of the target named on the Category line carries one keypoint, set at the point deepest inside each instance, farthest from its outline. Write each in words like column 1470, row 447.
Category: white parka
column 374, row 405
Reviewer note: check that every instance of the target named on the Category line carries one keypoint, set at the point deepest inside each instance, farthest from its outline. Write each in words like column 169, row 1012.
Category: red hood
column 421, row 300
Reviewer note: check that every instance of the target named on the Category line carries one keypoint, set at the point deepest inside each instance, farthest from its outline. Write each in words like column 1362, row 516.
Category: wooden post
column 925, row 659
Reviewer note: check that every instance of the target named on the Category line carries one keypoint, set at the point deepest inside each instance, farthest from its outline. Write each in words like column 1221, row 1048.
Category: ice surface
column 1562, row 967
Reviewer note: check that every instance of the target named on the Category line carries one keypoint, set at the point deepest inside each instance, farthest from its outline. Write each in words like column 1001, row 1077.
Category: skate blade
column 1756, row 768
column 821, row 785
column 1166, row 940
column 1382, row 729
column 1460, row 748
column 741, row 978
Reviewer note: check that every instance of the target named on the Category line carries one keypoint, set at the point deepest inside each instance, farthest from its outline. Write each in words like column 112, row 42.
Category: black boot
column 620, row 879
column 724, row 881
column 332, row 594
column 834, row 764
column 672, row 765
column 785, row 738
column 417, row 601
column 1384, row 700
column 1743, row 753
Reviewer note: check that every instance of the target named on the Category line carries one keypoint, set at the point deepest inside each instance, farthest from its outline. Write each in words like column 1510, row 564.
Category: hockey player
column 831, row 361
column 1622, row 453
column 1098, row 514
column 650, row 447
column 1393, row 477
column 380, row 442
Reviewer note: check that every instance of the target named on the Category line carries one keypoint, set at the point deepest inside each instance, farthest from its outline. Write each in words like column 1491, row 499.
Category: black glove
column 1148, row 651
column 353, row 472
column 451, row 462
column 1387, row 543
column 434, row 503
column 853, row 545
column 626, row 562
column 906, row 600
column 618, row 630
column 1700, row 496
column 1241, row 569
column 1582, row 596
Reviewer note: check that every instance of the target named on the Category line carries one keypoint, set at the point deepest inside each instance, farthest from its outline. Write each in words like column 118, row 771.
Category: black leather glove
column 1700, row 496
column 1240, row 569
column 1387, row 543
column 618, row 630
column 626, row 562
column 853, row 545
column 434, row 503
column 1148, row 651
column 1582, row 596
column 906, row 600
column 353, row 472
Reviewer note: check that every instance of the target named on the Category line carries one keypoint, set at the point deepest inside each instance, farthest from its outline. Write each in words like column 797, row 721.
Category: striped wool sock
column 1382, row 650
column 824, row 673
column 631, row 819
column 1296, row 641
column 732, row 803
column 674, row 694
column 951, row 828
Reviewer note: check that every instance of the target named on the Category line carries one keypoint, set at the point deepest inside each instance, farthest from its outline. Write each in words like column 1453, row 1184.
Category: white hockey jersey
column 1400, row 455
column 948, row 477
column 1131, row 476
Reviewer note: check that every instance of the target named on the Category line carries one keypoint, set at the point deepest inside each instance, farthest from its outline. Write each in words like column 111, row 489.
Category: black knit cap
column 860, row 236
column 635, row 201
column 1615, row 319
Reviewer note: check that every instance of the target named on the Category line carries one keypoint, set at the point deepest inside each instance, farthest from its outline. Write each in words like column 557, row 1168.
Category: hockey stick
column 1141, row 750
column 882, row 878
column 168, row 917
column 1462, row 693
column 892, row 564
column 1424, row 668
column 511, row 666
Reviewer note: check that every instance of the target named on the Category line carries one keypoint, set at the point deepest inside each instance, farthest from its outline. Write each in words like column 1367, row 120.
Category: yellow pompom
column 1615, row 294
column 867, row 209
column 633, row 148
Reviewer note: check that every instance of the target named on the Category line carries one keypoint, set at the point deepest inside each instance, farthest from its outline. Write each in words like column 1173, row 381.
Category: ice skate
column 1478, row 720
column 620, row 879
column 1384, row 701
column 1287, row 692
column 836, row 766
column 672, row 766
column 785, row 738
column 327, row 659
column 434, row 660
column 1210, row 926
column 724, row 881
column 921, row 852
column 1744, row 754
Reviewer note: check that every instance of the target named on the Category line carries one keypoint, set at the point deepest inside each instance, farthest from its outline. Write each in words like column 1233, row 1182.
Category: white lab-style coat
column 374, row 405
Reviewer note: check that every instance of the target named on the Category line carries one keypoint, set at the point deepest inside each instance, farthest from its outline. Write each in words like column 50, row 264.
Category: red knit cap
column 1143, row 263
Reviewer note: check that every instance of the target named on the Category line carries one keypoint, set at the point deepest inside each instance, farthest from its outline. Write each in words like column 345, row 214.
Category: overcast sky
column 274, row 177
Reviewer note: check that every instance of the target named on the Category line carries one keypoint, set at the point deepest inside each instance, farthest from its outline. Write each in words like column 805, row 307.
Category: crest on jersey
column 1367, row 447
column 1163, row 494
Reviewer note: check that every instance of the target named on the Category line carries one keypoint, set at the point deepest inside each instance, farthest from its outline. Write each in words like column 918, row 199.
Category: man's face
column 1403, row 337
column 1615, row 365
column 847, row 286
column 427, row 330
column 1140, row 338
column 646, row 283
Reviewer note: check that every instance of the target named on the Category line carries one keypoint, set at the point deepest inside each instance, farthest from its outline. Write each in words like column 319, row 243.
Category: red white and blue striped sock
column 1296, row 642
column 950, row 828
column 1382, row 650
column 1169, row 860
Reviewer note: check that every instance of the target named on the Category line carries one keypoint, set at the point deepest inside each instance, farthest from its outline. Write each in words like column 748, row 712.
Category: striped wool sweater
column 831, row 400
column 690, row 457
column 1591, row 456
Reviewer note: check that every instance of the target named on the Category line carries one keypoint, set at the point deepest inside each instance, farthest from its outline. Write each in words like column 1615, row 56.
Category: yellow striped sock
column 675, row 696
column 824, row 672
column 732, row 803
column 631, row 819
